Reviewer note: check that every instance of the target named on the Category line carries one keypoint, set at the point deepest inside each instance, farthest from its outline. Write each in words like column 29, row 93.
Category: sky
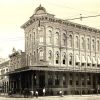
column 14, row 13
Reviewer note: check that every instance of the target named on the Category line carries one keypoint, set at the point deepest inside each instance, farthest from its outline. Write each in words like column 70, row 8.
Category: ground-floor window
column 64, row 79
column 71, row 79
column 50, row 79
column 57, row 79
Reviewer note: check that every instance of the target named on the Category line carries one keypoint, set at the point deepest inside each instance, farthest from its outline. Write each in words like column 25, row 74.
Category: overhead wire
column 81, row 17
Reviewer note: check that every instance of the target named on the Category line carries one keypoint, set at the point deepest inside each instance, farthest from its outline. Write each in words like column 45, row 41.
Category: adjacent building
column 4, row 79
column 59, row 55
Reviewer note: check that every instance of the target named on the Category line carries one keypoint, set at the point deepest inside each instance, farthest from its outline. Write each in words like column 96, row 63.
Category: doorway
column 41, row 82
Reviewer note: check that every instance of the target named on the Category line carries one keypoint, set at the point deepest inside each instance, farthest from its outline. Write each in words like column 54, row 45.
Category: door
column 41, row 83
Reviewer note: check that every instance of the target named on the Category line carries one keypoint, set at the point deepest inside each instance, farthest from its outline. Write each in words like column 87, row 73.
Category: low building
column 4, row 79
column 17, row 63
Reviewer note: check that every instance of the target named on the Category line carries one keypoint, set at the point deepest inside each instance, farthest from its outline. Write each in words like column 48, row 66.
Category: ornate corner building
column 59, row 55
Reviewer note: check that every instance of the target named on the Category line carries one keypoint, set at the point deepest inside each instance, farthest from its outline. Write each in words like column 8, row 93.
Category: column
column 61, row 80
column 37, row 79
column 53, row 78
column 20, row 83
column 46, row 79
column 32, row 79
column 67, row 79
column 74, row 82
column 10, row 85
column 80, row 82
column 68, row 82
column 91, row 80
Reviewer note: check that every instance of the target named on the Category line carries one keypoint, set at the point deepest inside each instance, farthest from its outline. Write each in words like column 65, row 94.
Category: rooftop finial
column 40, row 5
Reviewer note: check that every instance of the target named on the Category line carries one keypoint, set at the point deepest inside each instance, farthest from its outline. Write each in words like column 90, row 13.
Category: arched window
column 64, row 39
column 88, row 61
column 88, row 43
column 83, row 60
column 50, row 55
column 77, row 42
column 30, row 59
column 41, row 39
column 41, row 54
column 27, row 60
column 70, row 59
column 82, row 42
column 70, row 40
column 77, row 59
column 34, row 57
column 98, row 62
column 64, row 58
column 33, row 37
column 93, row 44
column 93, row 61
column 57, row 57
column 57, row 38
column 98, row 45
column 41, row 34
column 50, row 36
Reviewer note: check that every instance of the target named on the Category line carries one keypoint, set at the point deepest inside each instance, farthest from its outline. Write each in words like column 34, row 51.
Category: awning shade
column 93, row 60
column 77, row 59
column 88, row 60
column 83, row 59
column 98, row 61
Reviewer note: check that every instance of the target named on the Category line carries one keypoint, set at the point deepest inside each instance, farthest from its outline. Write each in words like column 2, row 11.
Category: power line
column 81, row 17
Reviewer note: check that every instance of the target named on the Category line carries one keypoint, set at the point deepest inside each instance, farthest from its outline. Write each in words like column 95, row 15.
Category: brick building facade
column 59, row 55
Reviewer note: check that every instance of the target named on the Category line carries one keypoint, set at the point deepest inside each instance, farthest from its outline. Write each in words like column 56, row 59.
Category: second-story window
column 88, row 44
column 98, row 45
column 64, row 58
column 70, row 40
column 88, row 61
column 34, row 37
column 82, row 43
column 41, row 55
column 57, row 57
column 93, row 45
column 77, row 60
column 41, row 39
column 57, row 38
column 50, row 36
column 77, row 42
column 93, row 61
column 50, row 55
column 70, row 59
column 64, row 39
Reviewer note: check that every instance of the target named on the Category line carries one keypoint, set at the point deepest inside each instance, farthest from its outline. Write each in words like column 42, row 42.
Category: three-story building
column 60, row 55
